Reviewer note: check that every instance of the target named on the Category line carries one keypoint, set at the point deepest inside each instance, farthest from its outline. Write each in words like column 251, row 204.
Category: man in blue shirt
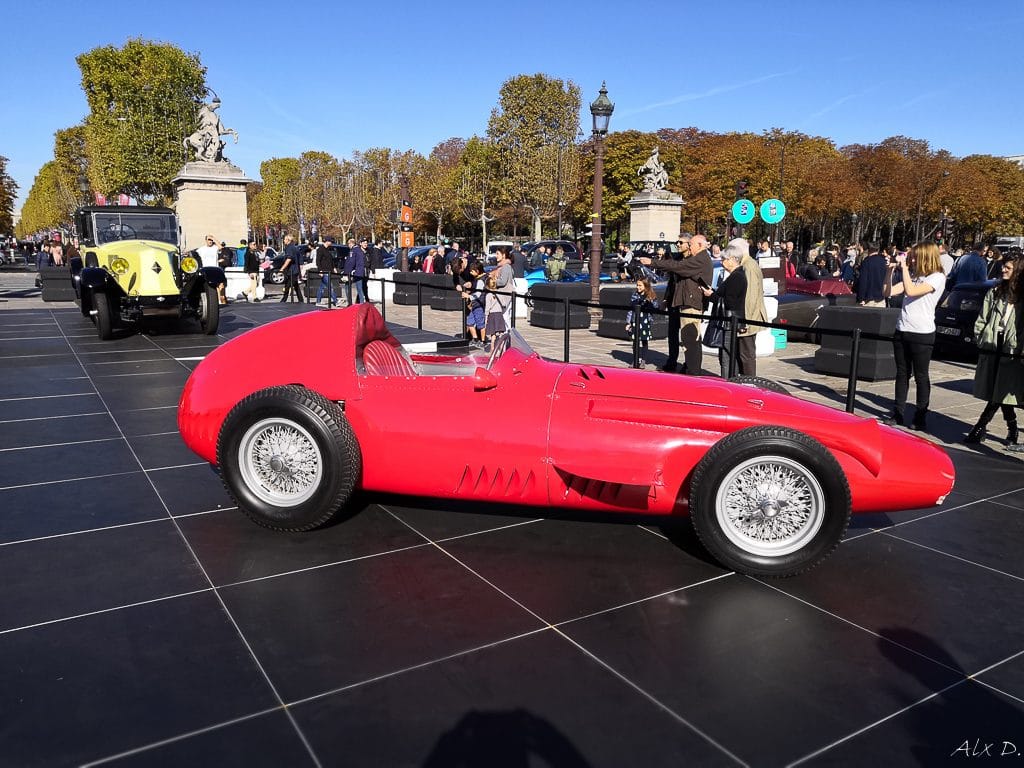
column 355, row 269
column 969, row 268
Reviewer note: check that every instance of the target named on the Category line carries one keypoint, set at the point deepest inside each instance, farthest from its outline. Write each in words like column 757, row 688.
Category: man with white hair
column 686, row 277
column 754, row 310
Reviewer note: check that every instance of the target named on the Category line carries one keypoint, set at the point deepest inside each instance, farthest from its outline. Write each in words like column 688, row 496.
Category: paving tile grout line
column 631, row 684
column 180, row 737
column 952, row 556
column 206, row 575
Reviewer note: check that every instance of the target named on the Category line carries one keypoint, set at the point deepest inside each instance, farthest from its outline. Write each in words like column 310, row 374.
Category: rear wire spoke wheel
column 769, row 501
column 289, row 458
column 760, row 382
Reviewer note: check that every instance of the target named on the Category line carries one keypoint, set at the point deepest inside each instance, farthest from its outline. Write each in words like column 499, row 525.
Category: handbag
column 714, row 334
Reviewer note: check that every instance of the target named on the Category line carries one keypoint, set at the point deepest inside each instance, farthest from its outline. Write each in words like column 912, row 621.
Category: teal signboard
column 743, row 211
column 773, row 211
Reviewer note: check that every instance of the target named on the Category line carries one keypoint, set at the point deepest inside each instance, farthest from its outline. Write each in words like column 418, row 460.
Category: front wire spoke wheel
column 280, row 462
column 770, row 505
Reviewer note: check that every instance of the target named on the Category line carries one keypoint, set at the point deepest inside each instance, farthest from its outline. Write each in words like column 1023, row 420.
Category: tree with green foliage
column 478, row 183
column 276, row 199
column 8, row 192
column 143, row 100
column 534, row 130
column 435, row 183
column 45, row 207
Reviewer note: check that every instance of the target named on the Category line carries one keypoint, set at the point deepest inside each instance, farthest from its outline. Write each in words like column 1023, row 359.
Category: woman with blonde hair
column 921, row 284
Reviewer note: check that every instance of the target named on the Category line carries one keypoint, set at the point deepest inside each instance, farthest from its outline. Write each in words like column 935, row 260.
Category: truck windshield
column 110, row 227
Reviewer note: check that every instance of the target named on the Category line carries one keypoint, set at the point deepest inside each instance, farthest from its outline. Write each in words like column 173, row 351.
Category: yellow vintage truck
column 130, row 269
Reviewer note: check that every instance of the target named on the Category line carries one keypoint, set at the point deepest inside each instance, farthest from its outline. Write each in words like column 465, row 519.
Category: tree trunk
column 536, row 223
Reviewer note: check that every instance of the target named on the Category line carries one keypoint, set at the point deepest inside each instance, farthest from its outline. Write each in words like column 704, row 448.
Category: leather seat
column 382, row 359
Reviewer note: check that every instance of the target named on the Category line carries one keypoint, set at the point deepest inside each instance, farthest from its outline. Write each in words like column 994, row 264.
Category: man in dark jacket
column 686, row 278
column 250, row 259
column 871, row 279
column 519, row 263
column 325, row 265
column 356, row 269
column 291, row 269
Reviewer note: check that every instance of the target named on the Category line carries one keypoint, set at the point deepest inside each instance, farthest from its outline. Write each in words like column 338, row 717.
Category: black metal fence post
column 565, row 328
column 383, row 298
column 733, row 341
column 851, row 387
column 419, row 305
column 514, row 297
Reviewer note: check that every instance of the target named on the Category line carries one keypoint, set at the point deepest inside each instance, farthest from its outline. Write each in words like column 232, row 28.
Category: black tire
column 761, row 383
column 104, row 316
column 209, row 310
column 277, row 278
column 815, row 479
column 316, row 430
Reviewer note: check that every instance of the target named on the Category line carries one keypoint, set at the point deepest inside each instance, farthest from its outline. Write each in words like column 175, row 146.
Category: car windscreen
column 964, row 300
column 111, row 227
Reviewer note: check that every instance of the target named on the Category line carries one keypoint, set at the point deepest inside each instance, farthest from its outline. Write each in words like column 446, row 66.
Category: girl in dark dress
column 638, row 319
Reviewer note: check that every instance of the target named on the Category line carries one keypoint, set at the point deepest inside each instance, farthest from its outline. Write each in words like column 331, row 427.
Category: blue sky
column 343, row 76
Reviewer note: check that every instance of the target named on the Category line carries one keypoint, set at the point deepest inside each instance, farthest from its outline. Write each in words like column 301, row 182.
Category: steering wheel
column 501, row 343
column 117, row 232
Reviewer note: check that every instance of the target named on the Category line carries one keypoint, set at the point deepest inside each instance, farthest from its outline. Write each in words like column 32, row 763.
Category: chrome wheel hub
column 770, row 505
column 280, row 462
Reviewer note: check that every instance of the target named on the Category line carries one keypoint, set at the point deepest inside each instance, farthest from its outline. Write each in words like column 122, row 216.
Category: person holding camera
column 915, row 328
column 683, row 294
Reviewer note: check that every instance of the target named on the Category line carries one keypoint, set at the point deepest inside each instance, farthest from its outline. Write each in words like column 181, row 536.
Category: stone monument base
column 210, row 199
column 655, row 215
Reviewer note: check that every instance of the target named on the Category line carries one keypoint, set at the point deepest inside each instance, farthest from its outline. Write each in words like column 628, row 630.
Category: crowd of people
column 913, row 280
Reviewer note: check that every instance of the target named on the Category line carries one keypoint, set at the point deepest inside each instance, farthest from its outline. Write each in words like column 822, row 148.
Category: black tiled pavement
column 145, row 621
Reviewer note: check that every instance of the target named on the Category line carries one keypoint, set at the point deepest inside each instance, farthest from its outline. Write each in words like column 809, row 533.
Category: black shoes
column 894, row 419
column 670, row 367
column 976, row 435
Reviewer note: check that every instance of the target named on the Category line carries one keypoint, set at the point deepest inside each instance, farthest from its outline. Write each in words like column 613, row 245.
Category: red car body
column 533, row 431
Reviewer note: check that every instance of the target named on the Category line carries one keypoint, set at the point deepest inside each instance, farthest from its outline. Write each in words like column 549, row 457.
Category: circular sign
column 773, row 211
column 743, row 211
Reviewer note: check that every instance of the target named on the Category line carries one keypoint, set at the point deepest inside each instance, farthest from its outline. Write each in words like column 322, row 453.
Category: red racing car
column 768, row 479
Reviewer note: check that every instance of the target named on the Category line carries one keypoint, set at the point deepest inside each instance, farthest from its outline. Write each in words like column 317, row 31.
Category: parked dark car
column 954, row 319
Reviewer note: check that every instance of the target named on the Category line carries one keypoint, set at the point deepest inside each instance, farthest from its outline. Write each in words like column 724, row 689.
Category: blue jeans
column 325, row 282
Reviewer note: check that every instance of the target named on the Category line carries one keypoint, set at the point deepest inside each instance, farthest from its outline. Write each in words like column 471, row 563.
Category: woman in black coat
column 732, row 291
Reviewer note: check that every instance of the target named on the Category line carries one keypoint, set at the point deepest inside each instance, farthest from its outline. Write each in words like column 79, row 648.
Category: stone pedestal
column 655, row 215
column 210, row 199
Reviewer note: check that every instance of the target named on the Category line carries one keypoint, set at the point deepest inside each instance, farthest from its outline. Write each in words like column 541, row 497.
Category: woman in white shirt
column 915, row 329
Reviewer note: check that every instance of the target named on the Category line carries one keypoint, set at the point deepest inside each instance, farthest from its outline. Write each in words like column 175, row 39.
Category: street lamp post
column 601, row 110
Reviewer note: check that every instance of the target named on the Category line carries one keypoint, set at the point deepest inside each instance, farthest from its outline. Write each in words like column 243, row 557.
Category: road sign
column 743, row 211
column 773, row 211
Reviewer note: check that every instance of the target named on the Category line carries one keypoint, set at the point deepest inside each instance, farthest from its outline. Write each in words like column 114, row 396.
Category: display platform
column 145, row 621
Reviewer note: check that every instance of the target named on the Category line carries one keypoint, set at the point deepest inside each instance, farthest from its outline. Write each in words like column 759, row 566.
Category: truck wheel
column 209, row 310
column 769, row 501
column 104, row 316
column 289, row 458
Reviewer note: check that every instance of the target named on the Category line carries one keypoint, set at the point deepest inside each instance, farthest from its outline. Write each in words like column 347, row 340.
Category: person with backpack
column 555, row 265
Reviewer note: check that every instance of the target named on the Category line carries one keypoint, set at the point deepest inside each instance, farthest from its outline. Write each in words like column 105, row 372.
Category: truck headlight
column 119, row 265
column 189, row 264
